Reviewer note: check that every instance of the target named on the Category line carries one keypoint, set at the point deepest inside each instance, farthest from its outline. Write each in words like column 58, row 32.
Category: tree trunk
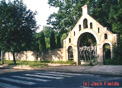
column 37, row 56
column 14, row 58
column 2, row 57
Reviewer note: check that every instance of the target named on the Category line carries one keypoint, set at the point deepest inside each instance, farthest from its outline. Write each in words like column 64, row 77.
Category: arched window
column 85, row 23
column 70, row 53
column 69, row 40
column 105, row 36
column 74, row 33
column 106, row 52
column 91, row 26
column 98, row 30
column 79, row 27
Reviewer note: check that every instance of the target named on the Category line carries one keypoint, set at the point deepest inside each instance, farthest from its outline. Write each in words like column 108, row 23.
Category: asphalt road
column 42, row 79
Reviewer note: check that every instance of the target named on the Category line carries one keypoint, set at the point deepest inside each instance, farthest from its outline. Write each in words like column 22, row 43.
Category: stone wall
column 52, row 55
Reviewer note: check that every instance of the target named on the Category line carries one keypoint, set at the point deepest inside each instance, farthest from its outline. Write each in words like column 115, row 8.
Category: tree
column 67, row 16
column 47, row 31
column 64, row 36
column 17, row 26
column 52, row 41
column 115, row 17
column 42, row 44
column 58, row 41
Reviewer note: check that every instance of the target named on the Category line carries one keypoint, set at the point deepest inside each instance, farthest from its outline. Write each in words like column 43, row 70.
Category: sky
column 43, row 11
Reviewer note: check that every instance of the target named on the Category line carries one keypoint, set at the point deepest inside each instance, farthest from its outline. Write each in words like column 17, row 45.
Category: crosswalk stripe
column 42, row 76
column 52, row 74
column 4, row 85
column 36, row 79
column 65, row 73
column 17, row 81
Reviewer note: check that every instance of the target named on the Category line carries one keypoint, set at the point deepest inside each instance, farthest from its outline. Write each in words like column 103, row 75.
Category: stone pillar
column 111, row 49
column 65, row 53
column 100, row 53
column 75, row 55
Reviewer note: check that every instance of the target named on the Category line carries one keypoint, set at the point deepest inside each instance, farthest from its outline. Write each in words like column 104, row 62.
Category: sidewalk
column 112, row 70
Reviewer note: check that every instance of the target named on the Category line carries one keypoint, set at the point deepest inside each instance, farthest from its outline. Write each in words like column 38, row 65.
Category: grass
column 36, row 63
column 59, row 62
column 30, row 63
column 113, row 61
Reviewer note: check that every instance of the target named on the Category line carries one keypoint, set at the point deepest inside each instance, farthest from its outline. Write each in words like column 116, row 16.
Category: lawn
column 36, row 63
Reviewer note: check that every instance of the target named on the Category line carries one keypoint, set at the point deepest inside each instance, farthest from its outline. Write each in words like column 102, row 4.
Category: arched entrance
column 70, row 53
column 106, row 52
column 87, row 49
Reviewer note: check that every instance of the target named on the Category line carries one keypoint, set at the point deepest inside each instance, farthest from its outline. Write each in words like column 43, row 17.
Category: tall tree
column 58, row 41
column 17, row 26
column 52, row 41
column 42, row 44
column 47, row 31
column 115, row 17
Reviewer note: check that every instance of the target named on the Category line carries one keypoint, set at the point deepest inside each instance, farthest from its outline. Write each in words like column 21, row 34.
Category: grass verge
column 36, row 63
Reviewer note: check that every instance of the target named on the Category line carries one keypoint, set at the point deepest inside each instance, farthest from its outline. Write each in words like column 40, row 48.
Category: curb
column 87, row 72
column 26, row 67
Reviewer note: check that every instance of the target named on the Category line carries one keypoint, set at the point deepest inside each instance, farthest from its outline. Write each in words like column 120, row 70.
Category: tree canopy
column 107, row 12
column 52, row 41
column 17, row 26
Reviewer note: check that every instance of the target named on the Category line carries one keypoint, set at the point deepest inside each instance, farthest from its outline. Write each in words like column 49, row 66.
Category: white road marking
column 36, row 79
column 43, row 76
column 4, row 85
column 65, row 73
column 52, row 74
column 17, row 81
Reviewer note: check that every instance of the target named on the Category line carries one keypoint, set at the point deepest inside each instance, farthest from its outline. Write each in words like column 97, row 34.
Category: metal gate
column 88, row 53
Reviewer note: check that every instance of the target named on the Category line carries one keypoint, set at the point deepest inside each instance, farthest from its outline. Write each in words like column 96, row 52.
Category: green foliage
column 17, row 26
column 42, row 44
column 118, row 52
column 115, row 17
column 59, row 62
column 64, row 36
column 37, row 63
column 52, row 41
column 58, row 41
column 63, row 21
column 47, row 40
column 47, row 31
column 90, row 64
column 35, row 43
column 30, row 63
column 112, row 62
column 88, row 38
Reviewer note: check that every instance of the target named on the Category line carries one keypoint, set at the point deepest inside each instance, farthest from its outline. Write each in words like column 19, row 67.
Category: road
column 32, row 79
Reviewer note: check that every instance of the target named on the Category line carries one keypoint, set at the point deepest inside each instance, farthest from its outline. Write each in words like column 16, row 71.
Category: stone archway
column 87, row 47
column 87, row 24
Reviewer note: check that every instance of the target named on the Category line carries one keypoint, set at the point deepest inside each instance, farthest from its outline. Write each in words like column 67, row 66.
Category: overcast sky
column 42, row 8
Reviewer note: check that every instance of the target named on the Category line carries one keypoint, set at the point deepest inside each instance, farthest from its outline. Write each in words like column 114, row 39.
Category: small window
column 79, row 27
column 105, row 36
column 74, row 33
column 85, row 23
column 98, row 30
column 69, row 40
column 90, row 25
